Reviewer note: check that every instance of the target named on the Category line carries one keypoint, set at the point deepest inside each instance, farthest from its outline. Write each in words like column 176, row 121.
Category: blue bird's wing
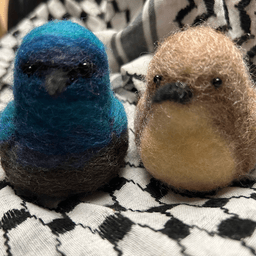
column 6, row 122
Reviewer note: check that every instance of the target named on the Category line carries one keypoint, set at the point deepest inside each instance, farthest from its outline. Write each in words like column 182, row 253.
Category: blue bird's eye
column 86, row 69
column 29, row 68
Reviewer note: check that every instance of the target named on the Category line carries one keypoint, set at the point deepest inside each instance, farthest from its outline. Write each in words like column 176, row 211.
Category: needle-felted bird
column 65, row 132
column 196, row 123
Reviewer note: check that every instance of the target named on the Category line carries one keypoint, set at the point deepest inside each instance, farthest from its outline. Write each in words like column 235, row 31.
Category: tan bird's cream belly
column 180, row 147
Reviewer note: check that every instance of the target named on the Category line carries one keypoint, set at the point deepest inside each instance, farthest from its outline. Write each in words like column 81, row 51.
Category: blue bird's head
column 61, row 58
column 62, row 87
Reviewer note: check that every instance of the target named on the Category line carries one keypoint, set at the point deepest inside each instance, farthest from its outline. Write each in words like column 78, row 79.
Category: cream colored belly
column 180, row 147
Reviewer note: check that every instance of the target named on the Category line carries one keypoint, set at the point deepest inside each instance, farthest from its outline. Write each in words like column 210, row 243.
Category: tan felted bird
column 195, row 124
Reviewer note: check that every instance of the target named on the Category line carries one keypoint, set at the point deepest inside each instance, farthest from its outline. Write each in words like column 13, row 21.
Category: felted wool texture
column 87, row 109
column 63, row 114
column 210, row 141
column 65, row 180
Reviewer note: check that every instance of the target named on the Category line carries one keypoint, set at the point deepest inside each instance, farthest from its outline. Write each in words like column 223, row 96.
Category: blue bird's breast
column 47, row 138
column 70, row 127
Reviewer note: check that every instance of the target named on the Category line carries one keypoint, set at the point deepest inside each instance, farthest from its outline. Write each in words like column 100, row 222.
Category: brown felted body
column 49, row 185
column 210, row 140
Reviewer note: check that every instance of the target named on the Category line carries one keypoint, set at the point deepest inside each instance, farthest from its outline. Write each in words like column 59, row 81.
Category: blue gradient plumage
column 84, row 116
column 63, row 104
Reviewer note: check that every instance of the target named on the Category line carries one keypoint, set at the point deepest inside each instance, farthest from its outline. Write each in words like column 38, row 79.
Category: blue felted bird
column 65, row 132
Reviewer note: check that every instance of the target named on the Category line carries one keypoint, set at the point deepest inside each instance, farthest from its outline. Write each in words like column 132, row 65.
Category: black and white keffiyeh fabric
column 134, row 214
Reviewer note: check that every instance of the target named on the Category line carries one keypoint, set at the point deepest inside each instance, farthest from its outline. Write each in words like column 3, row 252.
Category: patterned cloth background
column 134, row 214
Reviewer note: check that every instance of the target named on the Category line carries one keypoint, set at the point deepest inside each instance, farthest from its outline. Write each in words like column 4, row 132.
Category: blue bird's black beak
column 177, row 92
column 56, row 82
